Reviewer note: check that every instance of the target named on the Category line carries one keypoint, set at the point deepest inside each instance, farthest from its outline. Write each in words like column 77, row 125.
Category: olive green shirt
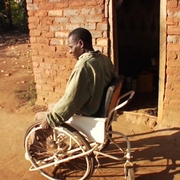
column 85, row 88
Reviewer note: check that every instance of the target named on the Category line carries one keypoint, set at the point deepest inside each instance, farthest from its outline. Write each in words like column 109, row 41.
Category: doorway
column 137, row 30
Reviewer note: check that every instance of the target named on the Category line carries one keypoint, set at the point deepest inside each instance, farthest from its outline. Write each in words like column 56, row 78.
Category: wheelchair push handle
column 129, row 95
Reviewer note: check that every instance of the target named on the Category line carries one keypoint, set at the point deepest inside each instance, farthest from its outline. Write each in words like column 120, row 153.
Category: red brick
column 98, row 18
column 29, row 1
column 102, row 26
column 173, row 47
column 177, row 85
column 44, row 28
column 174, row 79
column 61, row 34
column 60, row 91
column 100, row 48
column 70, row 27
column 45, row 53
column 46, row 6
column 62, row 49
column 85, row 11
column 32, row 7
column 172, row 4
column 94, row 2
column 173, row 30
column 46, row 87
column 56, row 28
column 62, row 4
column 175, row 11
column 56, row 41
column 33, row 40
column 40, row 1
column 55, row 13
column 77, row 3
column 31, row 13
column 41, row 13
column 97, row 34
column 34, row 46
column 174, row 103
column 171, row 55
column 41, row 81
column 77, row 19
column 170, row 21
column 42, row 40
column 89, row 26
column 173, row 71
column 105, row 51
column 70, row 12
column 33, row 20
column 49, row 35
column 102, row 42
column 48, row 21
column 61, row 19
column 173, row 64
column 105, row 34
column 97, row 10
column 32, row 26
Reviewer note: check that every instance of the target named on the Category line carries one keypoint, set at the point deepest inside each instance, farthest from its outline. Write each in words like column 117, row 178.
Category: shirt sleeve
column 76, row 95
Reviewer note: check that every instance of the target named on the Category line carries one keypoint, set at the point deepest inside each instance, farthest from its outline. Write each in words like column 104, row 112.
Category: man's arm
column 76, row 95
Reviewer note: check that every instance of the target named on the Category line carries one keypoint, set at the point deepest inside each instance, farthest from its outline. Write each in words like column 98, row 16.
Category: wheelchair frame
column 70, row 151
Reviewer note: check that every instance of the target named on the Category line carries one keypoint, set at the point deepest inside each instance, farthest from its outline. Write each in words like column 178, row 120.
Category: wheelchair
column 71, row 150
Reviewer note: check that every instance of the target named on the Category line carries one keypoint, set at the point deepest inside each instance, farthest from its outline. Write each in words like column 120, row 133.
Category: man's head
column 79, row 42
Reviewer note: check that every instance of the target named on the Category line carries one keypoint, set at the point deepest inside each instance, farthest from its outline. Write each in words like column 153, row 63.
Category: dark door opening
column 137, row 28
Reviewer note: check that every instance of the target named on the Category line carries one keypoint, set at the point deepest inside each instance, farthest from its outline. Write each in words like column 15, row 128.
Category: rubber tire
column 31, row 126
column 88, row 159
column 130, row 173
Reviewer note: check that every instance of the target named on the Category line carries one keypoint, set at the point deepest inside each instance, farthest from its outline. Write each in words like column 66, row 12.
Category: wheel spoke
column 60, row 157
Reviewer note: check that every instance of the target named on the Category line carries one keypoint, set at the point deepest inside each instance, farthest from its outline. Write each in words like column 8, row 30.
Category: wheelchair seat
column 94, row 128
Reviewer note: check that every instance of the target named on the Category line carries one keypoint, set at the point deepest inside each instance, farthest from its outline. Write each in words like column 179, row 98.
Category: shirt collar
column 88, row 54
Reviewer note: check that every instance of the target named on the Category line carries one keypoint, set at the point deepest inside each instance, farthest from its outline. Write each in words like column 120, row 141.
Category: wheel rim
column 44, row 152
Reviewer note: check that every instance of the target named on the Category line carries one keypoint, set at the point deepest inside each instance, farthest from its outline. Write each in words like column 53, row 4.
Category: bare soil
column 156, row 151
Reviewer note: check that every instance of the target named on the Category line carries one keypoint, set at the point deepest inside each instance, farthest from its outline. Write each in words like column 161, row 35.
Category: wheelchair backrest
column 111, row 96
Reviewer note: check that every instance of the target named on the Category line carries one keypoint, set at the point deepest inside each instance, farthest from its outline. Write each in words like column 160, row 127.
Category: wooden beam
column 162, row 59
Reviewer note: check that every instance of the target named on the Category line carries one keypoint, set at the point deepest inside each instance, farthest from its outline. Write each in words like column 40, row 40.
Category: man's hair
column 83, row 34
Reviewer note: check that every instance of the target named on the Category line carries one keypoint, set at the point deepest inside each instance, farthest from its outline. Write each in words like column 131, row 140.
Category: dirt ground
column 155, row 151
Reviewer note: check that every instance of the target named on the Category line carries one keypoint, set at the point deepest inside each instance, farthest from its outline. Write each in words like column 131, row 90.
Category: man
column 90, row 77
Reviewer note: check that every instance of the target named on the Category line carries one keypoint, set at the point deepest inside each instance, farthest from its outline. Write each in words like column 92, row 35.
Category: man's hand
column 45, row 124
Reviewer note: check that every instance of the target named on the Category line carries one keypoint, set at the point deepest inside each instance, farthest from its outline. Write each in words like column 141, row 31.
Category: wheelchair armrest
column 129, row 95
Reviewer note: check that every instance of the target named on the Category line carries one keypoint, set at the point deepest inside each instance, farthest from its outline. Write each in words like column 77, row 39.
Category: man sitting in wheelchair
column 89, row 79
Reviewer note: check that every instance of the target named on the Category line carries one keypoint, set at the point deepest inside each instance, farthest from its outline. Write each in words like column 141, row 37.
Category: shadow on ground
column 156, row 154
column 155, row 157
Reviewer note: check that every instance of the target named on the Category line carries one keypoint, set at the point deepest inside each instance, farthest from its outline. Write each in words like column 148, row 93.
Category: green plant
column 13, row 15
column 28, row 95
column 19, row 14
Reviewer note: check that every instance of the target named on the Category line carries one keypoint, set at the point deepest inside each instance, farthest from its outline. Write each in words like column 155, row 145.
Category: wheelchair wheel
column 31, row 126
column 130, row 173
column 59, row 153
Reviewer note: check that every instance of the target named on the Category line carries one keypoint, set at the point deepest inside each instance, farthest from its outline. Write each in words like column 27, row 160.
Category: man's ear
column 81, row 43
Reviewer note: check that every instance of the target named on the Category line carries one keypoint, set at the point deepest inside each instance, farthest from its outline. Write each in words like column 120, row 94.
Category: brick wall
column 50, row 21
column 172, row 86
